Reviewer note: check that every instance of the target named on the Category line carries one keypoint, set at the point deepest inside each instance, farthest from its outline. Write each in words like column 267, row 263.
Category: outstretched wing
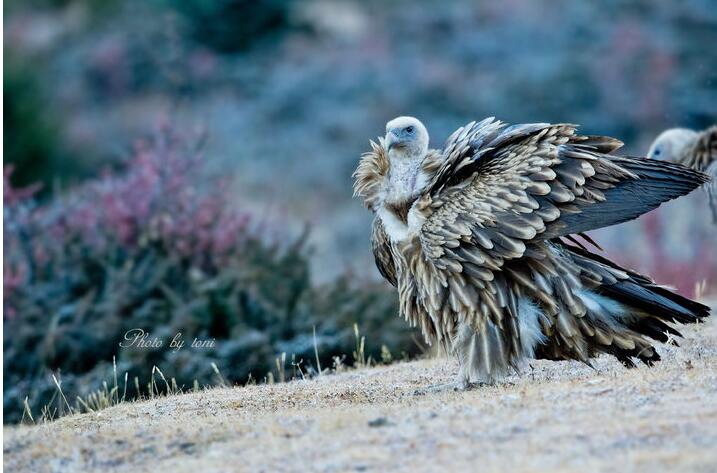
column 499, row 194
column 501, row 187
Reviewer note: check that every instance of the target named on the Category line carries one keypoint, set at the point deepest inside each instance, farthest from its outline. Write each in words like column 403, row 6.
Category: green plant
column 32, row 142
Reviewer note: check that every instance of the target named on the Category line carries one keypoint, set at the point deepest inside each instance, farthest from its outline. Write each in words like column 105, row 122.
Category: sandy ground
column 561, row 416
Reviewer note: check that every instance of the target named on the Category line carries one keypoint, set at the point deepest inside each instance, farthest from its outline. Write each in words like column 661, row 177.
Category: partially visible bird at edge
column 485, row 242
column 696, row 150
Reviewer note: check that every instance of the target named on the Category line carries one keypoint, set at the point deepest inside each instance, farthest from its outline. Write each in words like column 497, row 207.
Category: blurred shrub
column 32, row 138
column 92, row 6
column 233, row 25
column 153, row 250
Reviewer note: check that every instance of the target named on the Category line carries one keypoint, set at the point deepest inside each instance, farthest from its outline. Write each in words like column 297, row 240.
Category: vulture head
column 407, row 144
column 671, row 143
column 406, row 137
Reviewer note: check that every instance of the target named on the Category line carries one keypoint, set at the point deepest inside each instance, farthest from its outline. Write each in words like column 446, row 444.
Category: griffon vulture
column 481, row 241
column 697, row 150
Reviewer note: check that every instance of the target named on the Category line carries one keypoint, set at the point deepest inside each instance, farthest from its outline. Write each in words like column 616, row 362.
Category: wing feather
column 504, row 186
column 382, row 252
column 499, row 194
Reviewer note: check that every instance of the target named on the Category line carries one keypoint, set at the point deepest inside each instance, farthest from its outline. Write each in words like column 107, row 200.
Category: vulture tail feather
column 626, row 313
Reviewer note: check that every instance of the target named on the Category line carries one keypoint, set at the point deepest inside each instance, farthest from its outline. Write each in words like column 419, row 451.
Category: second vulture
column 696, row 150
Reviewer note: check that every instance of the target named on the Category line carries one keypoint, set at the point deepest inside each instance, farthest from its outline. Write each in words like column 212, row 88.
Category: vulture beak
column 392, row 139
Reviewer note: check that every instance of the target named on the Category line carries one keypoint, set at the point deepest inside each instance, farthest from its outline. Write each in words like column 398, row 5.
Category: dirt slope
column 558, row 417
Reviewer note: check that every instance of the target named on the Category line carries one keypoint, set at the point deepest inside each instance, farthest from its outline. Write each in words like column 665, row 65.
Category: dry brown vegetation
column 557, row 416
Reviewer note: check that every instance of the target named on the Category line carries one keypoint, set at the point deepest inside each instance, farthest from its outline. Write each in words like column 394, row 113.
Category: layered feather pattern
column 488, row 266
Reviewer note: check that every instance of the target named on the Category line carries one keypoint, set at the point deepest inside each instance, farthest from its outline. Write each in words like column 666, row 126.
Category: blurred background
column 184, row 165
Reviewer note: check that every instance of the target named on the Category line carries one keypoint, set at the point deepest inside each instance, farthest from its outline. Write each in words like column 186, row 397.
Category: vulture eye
column 409, row 129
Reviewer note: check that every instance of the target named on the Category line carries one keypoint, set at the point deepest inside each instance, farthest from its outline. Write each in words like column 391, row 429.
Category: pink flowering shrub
column 161, row 247
column 157, row 202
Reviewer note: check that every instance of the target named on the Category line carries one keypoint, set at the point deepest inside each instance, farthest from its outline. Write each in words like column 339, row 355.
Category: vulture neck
column 403, row 180
column 405, row 184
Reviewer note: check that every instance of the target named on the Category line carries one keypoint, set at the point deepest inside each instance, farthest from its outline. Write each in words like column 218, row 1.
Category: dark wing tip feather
column 656, row 301
column 664, row 170
column 657, row 182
